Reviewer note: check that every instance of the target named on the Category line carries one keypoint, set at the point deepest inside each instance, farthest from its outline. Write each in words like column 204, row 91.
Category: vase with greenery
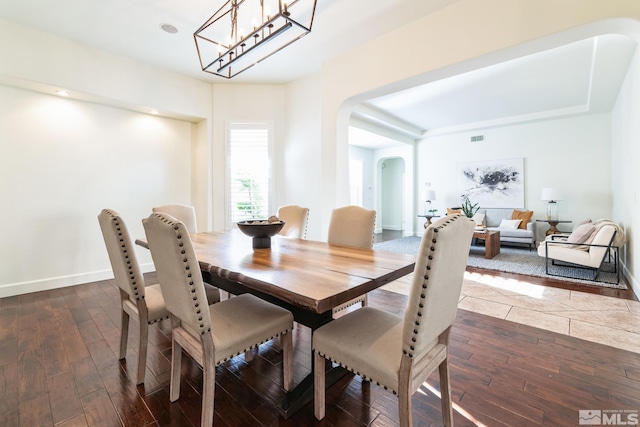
column 468, row 208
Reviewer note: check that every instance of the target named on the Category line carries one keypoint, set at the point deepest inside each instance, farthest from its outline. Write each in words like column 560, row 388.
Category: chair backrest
column 295, row 218
column 184, row 213
column 352, row 226
column 437, row 281
column 178, row 271
column 122, row 255
column 602, row 237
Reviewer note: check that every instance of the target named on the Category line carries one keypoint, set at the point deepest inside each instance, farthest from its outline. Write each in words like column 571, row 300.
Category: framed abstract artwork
column 493, row 183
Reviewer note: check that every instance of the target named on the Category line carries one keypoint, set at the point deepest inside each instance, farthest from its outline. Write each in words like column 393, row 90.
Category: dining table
column 307, row 277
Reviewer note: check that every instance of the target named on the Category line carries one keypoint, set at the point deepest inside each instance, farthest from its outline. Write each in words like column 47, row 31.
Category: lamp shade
column 551, row 194
column 430, row 195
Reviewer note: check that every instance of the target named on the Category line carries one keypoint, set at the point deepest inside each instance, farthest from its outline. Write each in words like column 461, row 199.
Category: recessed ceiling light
column 62, row 93
column 168, row 28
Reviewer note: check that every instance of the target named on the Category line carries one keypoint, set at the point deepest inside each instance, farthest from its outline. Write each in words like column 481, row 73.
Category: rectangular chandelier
column 244, row 32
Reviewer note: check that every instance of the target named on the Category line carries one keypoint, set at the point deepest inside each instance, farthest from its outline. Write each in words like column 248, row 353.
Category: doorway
column 392, row 175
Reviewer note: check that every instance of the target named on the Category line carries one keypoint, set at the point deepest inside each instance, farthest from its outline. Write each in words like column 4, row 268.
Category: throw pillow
column 510, row 223
column 453, row 211
column 579, row 223
column 581, row 233
column 524, row 216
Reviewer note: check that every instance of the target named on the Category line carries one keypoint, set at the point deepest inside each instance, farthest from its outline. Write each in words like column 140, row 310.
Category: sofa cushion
column 510, row 223
column 524, row 216
column 453, row 211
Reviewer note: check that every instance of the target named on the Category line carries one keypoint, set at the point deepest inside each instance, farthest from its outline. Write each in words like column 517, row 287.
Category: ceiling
column 580, row 78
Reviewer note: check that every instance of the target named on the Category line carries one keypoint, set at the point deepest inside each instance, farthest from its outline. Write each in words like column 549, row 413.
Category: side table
column 428, row 217
column 552, row 225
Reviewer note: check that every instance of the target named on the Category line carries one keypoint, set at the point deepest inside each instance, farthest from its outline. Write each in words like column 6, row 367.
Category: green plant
column 432, row 211
column 468, row 208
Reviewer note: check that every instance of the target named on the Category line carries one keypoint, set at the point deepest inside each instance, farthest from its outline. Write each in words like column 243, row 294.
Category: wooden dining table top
column 312, row 275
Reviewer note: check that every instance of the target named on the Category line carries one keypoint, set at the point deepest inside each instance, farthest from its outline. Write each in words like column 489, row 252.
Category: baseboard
column 635, row 286
column 20, row 288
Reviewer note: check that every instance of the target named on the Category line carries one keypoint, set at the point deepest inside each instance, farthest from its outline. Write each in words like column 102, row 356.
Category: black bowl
column 261, row 231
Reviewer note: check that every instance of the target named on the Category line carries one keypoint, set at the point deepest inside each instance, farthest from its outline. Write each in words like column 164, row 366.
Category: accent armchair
column 590, row 246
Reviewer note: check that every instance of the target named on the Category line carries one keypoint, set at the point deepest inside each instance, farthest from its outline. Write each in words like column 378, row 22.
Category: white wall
column 626, row 173
column 301, row 175
column 63, row 161
column 573, row 155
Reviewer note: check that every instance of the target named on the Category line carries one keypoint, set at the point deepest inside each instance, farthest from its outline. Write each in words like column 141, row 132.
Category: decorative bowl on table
column 261, row 230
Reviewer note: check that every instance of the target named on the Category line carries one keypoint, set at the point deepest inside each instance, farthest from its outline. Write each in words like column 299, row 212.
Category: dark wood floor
column 58, row 366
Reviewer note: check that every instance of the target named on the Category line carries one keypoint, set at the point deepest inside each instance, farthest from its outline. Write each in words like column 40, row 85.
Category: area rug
column 511, row 260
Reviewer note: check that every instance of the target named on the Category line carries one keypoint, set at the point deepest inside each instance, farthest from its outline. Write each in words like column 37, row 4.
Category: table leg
column 552, row 228
column 491, row 246
column 302, row 394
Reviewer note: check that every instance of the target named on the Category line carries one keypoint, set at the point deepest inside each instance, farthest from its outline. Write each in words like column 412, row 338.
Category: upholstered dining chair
column 295, row 218
column 352, row 226
column 214, row 335
column 144, row 303
column 399, row 353
column 185, row 213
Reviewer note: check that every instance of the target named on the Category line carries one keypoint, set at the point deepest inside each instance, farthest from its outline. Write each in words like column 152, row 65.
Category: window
column 249, row 171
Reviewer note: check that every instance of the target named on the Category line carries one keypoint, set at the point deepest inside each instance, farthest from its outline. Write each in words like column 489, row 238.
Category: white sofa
column 493, row 218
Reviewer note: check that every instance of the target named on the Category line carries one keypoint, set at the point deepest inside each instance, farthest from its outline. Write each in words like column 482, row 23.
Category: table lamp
column 552, row 195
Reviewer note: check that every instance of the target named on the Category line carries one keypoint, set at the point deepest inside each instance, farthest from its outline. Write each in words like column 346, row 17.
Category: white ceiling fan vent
column 477, row 138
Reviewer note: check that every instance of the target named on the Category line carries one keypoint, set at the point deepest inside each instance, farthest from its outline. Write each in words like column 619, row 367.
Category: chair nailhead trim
column 226, row 359
column 425, row 285
column 137, row 292
column 364, row 377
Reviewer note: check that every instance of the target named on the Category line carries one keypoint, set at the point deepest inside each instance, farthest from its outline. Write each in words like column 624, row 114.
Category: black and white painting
column 493, row 183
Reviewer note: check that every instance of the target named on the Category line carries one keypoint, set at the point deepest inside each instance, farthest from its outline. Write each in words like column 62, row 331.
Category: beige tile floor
column 601, row 319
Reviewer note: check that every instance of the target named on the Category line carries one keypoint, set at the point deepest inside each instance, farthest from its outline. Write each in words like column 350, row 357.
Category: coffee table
column 491, row 242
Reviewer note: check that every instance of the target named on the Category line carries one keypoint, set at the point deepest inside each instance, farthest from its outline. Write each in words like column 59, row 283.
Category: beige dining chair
column 295, row 218
column 352, row 226
column 215, row 335
column 185, row 213
column 143, row 303
column 400, row 353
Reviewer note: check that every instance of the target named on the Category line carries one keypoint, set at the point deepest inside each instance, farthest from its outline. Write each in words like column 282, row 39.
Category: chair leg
column 318, row 386
column 208, row 393
column 445, row 394
column 404, row 407
column 124, row 334
column 404, row 392
column 286, row 342
column 142, row 351
column 176, row 366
